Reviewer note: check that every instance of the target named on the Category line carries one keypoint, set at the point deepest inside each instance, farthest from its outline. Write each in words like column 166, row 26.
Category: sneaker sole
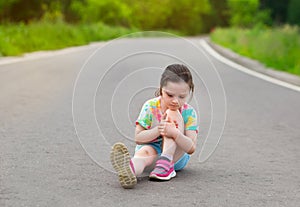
column 120, row 160
column 171, row 175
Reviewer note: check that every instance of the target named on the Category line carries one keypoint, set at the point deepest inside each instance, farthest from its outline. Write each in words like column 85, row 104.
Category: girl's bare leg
column 143, row 158
column 170, row 148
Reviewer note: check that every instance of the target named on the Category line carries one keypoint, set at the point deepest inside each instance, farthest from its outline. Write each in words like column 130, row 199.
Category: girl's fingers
column 164, row 116
column 176, row 124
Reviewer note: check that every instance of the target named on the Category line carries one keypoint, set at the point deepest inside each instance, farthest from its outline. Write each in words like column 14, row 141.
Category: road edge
column 48, row 53
column 249, row 66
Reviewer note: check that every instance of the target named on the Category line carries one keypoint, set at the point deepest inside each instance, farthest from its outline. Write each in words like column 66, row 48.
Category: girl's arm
column 186, row 142
column 145, row 136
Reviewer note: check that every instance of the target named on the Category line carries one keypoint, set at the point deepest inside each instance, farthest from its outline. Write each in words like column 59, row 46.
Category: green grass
column 16, row 39
column 278, row 48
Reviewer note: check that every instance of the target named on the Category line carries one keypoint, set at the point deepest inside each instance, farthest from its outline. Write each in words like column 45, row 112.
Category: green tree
column 114, row 12
column 219, row 12
column 28, row 10
column 294, row 12
column 149, row 15
column 6, row 3
column 218, row 16
column 246, row 13
column 189, row 15
column 278, row 9
column 184, row 15
column 22, row 10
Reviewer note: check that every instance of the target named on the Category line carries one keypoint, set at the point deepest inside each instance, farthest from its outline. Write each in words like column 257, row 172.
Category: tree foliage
column 246, row 13
column 188, row 16
column 219, row 15
column 278, row 10
column 184, row 15
column 32, row 10
column 294, row 12
column 111, row 12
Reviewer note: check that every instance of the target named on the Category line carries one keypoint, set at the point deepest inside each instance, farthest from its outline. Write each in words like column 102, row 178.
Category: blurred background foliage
column 267, row 30
column 183, row 15
column 188, row 16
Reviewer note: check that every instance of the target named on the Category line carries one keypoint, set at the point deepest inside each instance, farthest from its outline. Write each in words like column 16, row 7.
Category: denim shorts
column 179, row 165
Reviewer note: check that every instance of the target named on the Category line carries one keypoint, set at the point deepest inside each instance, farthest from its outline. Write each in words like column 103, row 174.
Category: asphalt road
column 46, row 161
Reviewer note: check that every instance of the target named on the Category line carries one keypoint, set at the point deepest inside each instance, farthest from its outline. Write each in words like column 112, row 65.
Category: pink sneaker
column 164, row 169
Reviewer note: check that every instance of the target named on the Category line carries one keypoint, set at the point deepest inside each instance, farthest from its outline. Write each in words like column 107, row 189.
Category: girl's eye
column 170, row 95
column 181, row 97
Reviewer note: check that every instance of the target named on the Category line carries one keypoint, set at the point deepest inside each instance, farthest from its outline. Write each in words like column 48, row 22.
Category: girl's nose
column 175, row 100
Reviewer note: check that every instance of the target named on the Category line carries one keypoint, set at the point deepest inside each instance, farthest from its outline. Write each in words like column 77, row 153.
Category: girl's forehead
column 180, row 87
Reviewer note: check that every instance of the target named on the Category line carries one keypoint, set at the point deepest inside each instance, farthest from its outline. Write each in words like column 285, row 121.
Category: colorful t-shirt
column 150, row 115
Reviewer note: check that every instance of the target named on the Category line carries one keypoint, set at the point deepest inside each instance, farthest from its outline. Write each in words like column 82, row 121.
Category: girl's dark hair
column 176, row 73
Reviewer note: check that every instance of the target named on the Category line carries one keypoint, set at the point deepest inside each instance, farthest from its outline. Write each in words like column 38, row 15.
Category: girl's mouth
column 174, row 107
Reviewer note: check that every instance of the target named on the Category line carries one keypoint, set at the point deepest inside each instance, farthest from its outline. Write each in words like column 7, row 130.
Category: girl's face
column 174, row 95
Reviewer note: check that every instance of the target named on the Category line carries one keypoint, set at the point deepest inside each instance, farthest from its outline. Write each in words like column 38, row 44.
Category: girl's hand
column 168, row 128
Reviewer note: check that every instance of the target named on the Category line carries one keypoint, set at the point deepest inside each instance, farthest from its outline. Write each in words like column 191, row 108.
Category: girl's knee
column 146, row 151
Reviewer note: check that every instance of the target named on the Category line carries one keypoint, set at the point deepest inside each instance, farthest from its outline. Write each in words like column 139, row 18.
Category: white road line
column 216, row 55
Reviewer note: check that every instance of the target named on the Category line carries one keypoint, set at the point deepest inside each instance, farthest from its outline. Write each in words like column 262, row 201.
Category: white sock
column 170, row 157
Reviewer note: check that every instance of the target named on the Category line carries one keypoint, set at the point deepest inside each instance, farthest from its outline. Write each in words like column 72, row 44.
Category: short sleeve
column 145, row 117
column 190, row 119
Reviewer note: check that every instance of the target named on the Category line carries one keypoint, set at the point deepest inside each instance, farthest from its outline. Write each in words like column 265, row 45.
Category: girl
column 166, row 128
